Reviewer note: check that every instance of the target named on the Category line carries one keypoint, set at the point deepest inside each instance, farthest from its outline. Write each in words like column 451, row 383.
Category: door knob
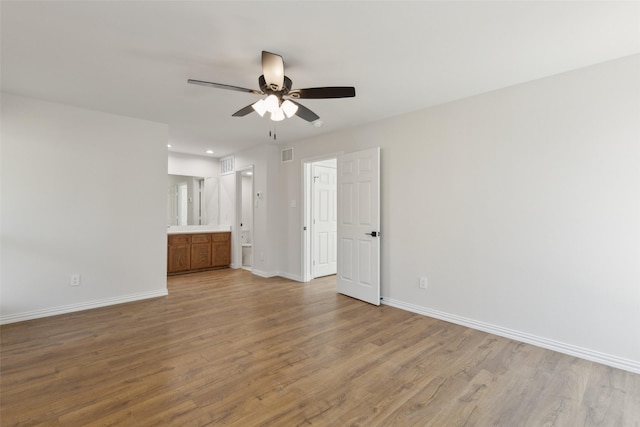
column 373, row 234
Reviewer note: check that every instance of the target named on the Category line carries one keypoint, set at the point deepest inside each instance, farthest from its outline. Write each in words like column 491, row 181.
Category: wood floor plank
column 230, row 348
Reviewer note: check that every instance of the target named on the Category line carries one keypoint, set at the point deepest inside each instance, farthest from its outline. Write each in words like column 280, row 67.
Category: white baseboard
column 293, row 277
column 53, row 311
column 264, row 274
column 583, row 353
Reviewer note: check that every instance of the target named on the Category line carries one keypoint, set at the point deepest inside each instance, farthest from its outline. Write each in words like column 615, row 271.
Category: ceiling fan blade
column 222, row 86
column 244, row 111
column 323, row 92
column 304, row 113
column 273, row 70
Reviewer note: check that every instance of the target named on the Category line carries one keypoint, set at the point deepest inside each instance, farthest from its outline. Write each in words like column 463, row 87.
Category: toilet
column 247, row 255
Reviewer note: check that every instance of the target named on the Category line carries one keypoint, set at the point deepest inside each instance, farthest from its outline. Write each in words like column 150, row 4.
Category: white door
column 324, row 223
column 359, row 225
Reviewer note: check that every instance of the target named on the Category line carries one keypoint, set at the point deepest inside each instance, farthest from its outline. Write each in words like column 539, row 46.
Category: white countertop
column 187, row 229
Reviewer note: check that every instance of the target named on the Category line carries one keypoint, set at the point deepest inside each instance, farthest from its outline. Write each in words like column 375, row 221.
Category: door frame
column 236, row 240
column 306, row 212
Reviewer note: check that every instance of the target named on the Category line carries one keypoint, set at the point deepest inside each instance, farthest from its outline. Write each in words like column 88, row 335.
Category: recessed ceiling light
column 168, row 145
column 209, row 151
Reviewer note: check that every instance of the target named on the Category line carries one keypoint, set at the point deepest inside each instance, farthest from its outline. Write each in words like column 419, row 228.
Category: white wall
column 227, row 199
column 521, row 206
column 191, row 165
column 82, row 192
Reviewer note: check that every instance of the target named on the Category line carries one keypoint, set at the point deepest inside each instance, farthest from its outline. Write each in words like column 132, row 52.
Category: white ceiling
column 134, row 58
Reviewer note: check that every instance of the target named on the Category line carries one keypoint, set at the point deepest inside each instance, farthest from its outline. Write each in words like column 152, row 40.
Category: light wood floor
column 229, row 348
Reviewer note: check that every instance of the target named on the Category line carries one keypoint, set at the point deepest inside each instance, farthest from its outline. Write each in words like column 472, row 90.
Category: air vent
column 286, row 155
column 226, row 165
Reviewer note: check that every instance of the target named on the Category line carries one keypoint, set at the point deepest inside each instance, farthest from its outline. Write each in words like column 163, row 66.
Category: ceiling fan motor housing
column 273, row 89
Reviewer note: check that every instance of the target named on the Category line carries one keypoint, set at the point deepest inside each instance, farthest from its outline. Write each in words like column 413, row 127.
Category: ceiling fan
column 280, row 101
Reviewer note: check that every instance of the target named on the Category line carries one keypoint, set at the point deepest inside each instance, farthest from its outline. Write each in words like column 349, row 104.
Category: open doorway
column 320, row 218
column 244, row 218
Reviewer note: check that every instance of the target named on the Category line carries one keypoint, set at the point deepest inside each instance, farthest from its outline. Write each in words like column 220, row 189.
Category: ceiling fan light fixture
column 272, row 103
column 277, row 115
column 289, row 108
column 274, row 86
column 260, row 107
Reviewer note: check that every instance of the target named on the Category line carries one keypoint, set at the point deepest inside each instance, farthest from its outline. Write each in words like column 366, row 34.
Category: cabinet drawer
column 179, row 239
column 221, row 237
column 200, row 238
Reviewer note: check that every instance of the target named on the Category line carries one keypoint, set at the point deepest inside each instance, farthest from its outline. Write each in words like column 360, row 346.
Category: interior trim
column 570, row 349
column 71, row 308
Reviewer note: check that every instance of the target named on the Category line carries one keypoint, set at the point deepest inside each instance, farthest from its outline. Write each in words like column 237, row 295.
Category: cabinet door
column 200, row 255
column 179, row 253
column 200, row 251
column 221, row 247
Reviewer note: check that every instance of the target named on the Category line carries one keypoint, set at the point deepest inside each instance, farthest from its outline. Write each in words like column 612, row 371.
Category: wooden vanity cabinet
column 198, row 251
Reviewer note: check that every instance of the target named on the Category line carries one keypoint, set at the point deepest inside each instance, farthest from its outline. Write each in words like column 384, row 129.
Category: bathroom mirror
column 192, row 200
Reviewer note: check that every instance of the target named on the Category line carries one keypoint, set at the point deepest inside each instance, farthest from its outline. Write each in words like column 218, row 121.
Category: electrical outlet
column 423, row 282
column 75, row 280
